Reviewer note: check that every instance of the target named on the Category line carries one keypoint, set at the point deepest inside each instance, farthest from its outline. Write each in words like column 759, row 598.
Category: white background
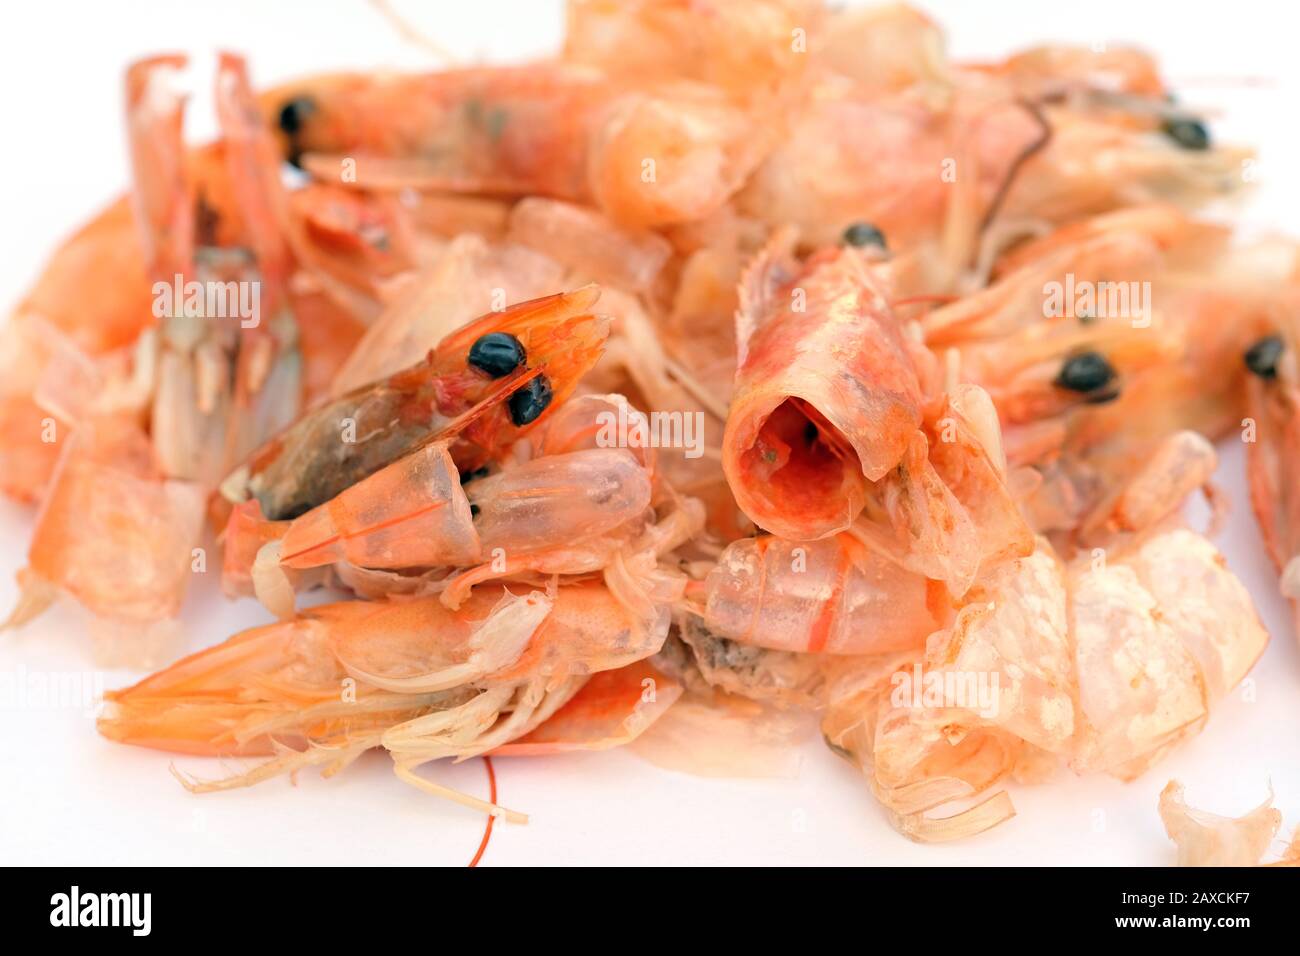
column 68, row 796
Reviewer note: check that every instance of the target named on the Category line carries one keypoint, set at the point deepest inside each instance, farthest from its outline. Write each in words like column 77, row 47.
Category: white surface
column 68, row 796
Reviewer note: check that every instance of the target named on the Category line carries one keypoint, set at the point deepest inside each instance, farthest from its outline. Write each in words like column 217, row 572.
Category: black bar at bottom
column 331, row 905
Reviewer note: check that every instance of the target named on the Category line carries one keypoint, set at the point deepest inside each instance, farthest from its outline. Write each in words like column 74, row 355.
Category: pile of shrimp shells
column 733, row 370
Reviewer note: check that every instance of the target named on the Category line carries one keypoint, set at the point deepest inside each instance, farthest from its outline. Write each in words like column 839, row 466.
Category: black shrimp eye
column 497, row 353
column 1187, row 133
column 1085, row 372
column 294, row 113
column 1262, row 357
column 862, row 234
column 530, row 401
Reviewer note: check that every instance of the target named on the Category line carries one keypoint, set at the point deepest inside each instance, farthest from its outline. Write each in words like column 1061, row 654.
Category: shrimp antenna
column 1044, row 137
column 407, row 31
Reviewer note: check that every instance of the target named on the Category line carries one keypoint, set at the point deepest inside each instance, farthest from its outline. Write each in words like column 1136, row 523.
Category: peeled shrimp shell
column 830, row 595
column 412, row 513
column 559, row 499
